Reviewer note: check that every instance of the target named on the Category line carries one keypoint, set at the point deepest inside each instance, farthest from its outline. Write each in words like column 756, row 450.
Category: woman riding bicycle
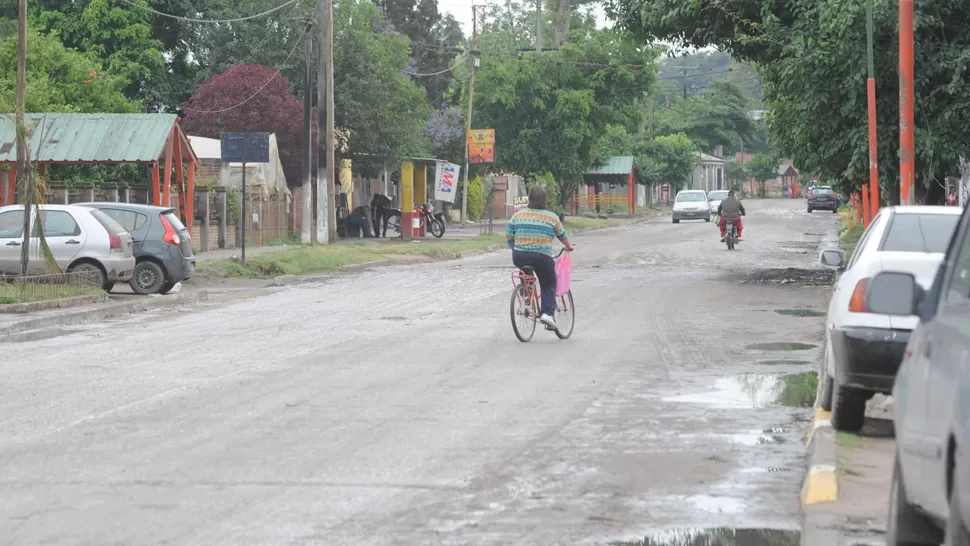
column 530, row 233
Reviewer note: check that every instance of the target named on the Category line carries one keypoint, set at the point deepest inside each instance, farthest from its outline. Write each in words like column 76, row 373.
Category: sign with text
column 245, row 147
column 446, row 181
column 520, row 202
column 481, row 146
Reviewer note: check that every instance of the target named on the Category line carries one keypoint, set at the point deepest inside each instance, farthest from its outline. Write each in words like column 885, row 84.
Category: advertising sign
column 446, row 181
column 520, row 202
column 481, row 146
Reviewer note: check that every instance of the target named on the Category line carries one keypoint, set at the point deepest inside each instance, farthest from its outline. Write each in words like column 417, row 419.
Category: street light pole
column 907, row 95
column 473, row 58
column 871, row 92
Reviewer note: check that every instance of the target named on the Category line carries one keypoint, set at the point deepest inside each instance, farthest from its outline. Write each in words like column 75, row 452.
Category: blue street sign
column 245, row 147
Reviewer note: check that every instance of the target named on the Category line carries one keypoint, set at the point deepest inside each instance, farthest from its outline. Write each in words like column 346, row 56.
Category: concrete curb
column 821, row 483
column 47, row 305
column 24, row 330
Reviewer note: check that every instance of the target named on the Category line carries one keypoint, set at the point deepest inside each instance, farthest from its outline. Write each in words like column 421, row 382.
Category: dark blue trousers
column 545, row 268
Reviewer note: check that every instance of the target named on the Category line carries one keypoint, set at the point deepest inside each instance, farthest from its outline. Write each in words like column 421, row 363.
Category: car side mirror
column 832, row 258
column 893, row 293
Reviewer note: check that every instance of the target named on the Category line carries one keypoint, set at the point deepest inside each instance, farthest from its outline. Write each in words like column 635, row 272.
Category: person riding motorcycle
column 731, row 209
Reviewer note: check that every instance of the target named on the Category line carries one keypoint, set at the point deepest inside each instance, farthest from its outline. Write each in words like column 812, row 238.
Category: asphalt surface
column 395, row 406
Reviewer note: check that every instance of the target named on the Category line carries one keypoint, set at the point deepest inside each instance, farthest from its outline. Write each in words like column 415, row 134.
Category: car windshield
column 920, row 232
column 717, row 195
column 822, row 192
column 691, row 197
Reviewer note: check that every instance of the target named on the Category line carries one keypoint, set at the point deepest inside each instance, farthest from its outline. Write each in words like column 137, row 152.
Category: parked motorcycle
column 433, row 222
column 731, row 233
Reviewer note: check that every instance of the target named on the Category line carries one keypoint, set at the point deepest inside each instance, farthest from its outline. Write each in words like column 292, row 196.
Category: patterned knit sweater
column 532, row 230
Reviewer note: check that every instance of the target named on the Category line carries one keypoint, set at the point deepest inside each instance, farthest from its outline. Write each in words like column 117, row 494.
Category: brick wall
column 213, row 236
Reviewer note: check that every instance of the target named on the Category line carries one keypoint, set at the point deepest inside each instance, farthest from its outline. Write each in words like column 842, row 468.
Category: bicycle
column 525, row 306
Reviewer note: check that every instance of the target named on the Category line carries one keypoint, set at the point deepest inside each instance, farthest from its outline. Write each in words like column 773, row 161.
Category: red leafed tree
column 251, row 97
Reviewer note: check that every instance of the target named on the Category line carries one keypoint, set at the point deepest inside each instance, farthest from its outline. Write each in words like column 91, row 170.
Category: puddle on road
column 780, row 346
column 792, row 275
column 800, row 312
column 783, row 362
column 756, row 390
column 718, row 537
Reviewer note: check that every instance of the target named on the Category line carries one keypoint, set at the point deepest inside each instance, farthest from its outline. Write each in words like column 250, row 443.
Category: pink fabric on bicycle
column 564, row 273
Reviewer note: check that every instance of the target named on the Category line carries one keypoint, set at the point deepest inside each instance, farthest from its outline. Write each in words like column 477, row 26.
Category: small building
column 708, row 174
column 788, row 178
column 610, row 186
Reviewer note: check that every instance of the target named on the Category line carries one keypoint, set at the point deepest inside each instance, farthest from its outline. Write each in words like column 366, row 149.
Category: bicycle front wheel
column 523, row 314
column 565, row 315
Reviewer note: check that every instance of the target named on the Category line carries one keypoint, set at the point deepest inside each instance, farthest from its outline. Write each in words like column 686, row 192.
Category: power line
column 438, row 73
column 209, row 21
column 258, row 91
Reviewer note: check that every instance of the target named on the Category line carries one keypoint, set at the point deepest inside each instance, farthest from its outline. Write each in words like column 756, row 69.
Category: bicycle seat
column 528, row 270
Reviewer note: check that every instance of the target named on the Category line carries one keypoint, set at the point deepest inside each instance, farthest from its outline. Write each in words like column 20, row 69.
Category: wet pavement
column 396, row 407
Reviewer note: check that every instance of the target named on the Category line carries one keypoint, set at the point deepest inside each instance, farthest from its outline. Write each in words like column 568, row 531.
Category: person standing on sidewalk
column 529, row 234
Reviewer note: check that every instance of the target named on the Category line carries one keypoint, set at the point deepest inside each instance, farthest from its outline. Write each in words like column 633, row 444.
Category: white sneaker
column 548, row 321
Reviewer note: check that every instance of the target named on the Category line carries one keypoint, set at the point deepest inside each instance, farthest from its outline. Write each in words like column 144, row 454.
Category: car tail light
column 857, row 303
column 170, row 237
column 115, row 241
column 832, row 197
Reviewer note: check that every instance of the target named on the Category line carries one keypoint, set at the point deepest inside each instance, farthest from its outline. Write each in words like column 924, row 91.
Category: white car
column 863, row 350
column 80, row 238
column 715, row 198
column 691, row 205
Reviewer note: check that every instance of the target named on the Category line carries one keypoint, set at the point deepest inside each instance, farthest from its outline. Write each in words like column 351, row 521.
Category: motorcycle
column 433, row 222
column 731, row 233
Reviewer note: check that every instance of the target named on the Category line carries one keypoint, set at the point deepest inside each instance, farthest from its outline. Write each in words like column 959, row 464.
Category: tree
column 385, row 113
column 676, row 157
column 549, row 110
column 762, row 167
column 815, row 77
column 250, row 97
column 719, row 117
column 737, row 174
column 59, row 79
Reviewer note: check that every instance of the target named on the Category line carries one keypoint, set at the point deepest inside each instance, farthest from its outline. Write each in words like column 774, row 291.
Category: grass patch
column 780, row 346
column 850, row 238
column 799, row 390
column 578, row 224
column 847, row 440
column 301, row 260
column 800, row 312
column 11, row 293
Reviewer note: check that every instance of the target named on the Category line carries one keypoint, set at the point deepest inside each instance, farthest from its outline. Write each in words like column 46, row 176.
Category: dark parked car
column 930, row 491
column 823, row 199
column 163, row 247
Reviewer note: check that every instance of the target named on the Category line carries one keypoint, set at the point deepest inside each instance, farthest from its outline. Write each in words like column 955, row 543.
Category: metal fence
column 18, row 289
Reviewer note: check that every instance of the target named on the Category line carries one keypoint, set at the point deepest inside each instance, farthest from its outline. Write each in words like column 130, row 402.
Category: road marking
column 821, row 485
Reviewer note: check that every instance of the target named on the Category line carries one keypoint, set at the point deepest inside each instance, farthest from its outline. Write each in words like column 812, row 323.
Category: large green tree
column 718, row 117
column 549, row 110
column 809, row 56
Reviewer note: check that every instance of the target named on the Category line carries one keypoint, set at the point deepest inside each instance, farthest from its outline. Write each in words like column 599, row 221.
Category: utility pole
column 907, row 95
column 306, row 212
column 871, row 91
column 323, row 168
column 23, row 158
column 473, row 58
column 331, row 160
column 538, row 26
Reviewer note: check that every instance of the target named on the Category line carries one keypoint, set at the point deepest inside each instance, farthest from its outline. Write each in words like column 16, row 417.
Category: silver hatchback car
column 80, row 238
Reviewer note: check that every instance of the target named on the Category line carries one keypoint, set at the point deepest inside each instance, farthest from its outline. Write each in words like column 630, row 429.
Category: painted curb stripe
column 821, row 419
column 821, row 485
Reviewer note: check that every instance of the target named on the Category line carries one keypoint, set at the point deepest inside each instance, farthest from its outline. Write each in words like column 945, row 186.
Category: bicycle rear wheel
column 523, row 314
column 565, row 315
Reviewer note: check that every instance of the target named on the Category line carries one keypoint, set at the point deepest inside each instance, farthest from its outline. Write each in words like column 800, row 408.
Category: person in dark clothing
column 731, row 208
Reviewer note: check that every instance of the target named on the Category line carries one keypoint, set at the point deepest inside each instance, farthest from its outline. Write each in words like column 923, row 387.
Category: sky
column 462, row 11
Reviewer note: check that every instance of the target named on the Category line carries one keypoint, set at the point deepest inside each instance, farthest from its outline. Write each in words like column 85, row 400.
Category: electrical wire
column 258, row 91
column 210, row 21
column 449, row 69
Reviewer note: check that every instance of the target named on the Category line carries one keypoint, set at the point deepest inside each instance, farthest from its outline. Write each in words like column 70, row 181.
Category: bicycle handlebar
column 563, row 249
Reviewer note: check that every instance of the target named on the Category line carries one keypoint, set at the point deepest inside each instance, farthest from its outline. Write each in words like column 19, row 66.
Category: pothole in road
column 718, row 537
column 780, row 346
column 783, row 362
column 792, row 275
column 800, row 312
column 757, row 390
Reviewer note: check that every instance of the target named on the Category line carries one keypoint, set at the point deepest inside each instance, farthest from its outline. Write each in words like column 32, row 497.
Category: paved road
column 396, row 407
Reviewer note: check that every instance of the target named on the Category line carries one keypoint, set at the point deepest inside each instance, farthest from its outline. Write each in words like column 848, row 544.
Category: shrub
column 476, row 198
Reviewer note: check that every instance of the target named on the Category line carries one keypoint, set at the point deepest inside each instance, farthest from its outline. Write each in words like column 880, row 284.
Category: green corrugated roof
column 122, row 138
column 619, row 164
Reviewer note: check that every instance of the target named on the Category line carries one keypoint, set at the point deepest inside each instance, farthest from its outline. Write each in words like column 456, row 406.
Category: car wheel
column 167, row 287
column 147, row 279
column 676, row 220
column 825, row 392
column 835, row 211
column 956, row 528
column 848, row 408
column 809, row 210
column 905, row 526
column 98, row 276
column 708, row 219
column 108, row 287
